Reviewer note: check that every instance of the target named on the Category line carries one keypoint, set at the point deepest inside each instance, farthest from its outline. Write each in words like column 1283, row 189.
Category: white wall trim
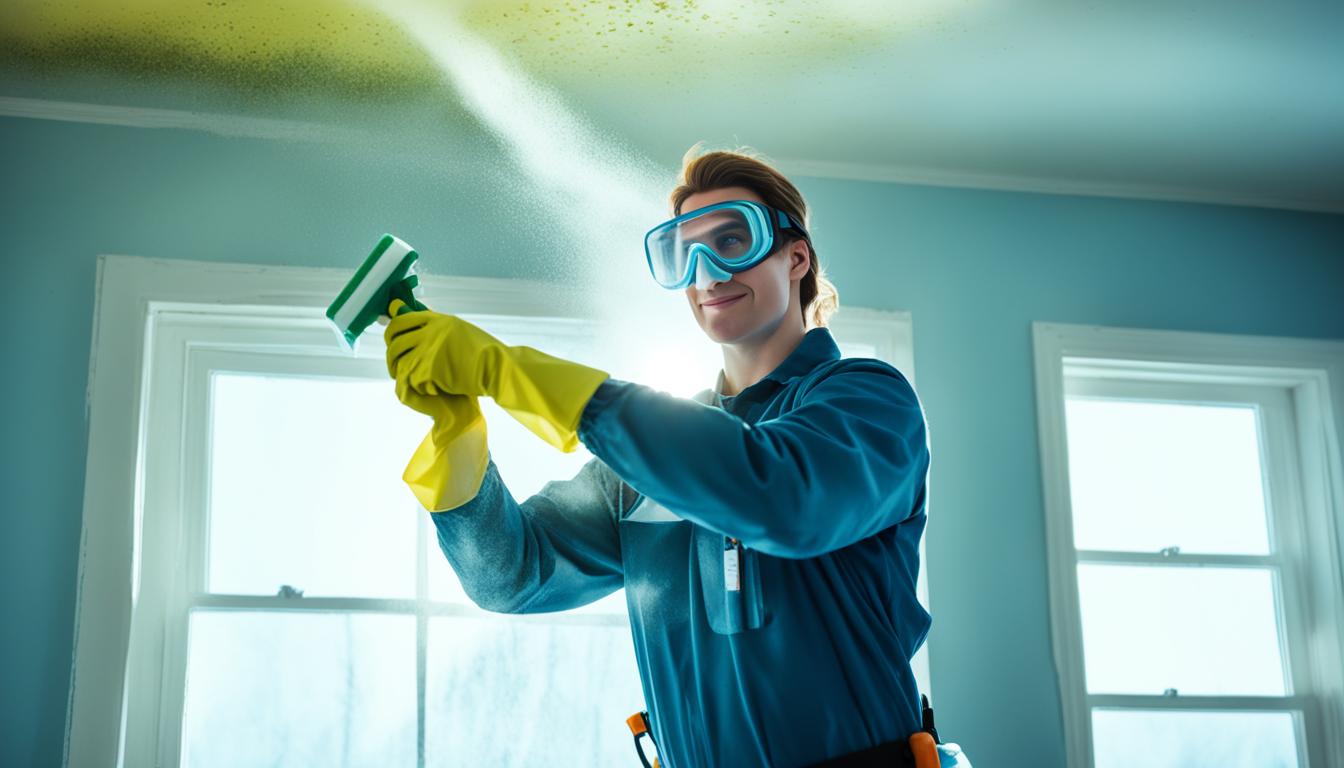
column 1312, row 370
column 132, row 295
column 221, row 124
column 892, row 173
column 891, row 332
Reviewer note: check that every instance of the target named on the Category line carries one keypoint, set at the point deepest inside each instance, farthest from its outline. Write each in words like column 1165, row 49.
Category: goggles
column 718, row 240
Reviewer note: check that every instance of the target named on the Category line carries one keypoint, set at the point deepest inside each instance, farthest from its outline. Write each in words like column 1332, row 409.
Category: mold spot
column 350, row 49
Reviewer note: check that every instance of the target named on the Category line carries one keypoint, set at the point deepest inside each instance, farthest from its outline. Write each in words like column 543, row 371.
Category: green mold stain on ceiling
column 350, row 50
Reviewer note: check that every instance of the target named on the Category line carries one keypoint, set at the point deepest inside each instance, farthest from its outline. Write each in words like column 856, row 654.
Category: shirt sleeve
column 849, row 460
column 557, row 550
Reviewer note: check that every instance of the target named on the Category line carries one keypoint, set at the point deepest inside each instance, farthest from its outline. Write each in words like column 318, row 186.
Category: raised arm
column 557, row 550
column 850, row 460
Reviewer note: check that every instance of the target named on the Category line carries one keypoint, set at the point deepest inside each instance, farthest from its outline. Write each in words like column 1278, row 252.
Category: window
column 289, row 600
column 379, row 634
column 1184, row 577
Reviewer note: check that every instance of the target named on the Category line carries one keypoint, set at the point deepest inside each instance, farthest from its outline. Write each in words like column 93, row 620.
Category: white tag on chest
column 732, row 571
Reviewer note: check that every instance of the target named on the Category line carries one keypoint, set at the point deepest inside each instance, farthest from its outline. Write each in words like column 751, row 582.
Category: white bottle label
column 732, row 578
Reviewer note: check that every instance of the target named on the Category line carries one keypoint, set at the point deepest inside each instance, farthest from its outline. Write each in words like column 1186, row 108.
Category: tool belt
column 639, row 726
column 919, row 751
column 893, row 754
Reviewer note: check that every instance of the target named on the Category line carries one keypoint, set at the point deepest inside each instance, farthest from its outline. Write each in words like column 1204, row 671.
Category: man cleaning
column 766, row 532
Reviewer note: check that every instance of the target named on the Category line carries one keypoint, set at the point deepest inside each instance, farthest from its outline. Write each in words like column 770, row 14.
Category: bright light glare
column 1127, row 738
column 514, row 691
column 681, row 368
column 1200, row 630
column 299, row 689
column 1145, row 476
column 305, row 484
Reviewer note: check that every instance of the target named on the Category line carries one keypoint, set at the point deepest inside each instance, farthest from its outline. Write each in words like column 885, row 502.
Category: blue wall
column 974, row 268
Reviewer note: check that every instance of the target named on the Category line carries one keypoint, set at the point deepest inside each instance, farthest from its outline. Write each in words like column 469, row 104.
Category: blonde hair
column 703, row 171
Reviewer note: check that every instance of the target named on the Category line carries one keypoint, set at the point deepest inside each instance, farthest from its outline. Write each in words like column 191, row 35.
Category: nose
column 707, row 272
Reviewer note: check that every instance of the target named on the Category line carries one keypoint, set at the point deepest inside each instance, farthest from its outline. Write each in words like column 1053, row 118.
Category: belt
column 893, row 754
column 919, row 751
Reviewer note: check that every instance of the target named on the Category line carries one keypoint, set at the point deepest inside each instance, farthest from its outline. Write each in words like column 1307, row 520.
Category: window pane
column 300, row 689
column 1146, row 476
column 1166, row 739
column 518, row 692
column 306, row 487
column 1206, row 631
column 525, row 461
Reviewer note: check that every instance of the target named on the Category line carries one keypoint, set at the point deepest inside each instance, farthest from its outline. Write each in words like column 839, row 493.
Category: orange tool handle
column 925, row 749
column 638, row 725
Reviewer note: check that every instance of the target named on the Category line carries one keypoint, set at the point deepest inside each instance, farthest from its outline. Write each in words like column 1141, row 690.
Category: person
column 766, row 532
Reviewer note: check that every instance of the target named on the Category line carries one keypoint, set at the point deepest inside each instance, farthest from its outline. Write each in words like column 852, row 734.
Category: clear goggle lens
column 735, row 235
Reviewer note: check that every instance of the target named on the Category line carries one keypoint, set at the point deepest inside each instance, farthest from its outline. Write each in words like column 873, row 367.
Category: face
column 752, row 304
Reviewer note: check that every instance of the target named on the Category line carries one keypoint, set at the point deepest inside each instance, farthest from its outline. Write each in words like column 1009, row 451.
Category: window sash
column 305, row 354
column 1291, row 703
column 1274, row 427
column 1270, row 406
column 1295, row 437
column 187, row 349
column 1181, row 559
column 1297, row 708
column 1272, row 409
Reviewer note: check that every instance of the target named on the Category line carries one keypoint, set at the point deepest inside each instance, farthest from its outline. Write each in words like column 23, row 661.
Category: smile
column 721, row 303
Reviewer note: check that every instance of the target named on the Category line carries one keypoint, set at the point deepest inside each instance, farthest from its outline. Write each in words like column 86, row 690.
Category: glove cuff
column 447, row 469
column 547, row 394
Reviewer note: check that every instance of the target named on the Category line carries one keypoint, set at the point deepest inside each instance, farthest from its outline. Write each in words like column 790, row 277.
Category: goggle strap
column 787, row 222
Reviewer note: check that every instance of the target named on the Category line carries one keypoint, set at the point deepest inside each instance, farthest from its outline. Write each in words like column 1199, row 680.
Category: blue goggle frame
column 766, row 224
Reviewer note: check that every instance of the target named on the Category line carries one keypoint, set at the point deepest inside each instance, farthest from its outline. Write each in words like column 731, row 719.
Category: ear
column 800, row 259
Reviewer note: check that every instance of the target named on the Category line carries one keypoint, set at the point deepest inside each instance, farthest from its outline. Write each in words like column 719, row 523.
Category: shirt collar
column 817, row 347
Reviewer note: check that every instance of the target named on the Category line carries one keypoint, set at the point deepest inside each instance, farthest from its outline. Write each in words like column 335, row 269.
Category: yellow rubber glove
column 435, row 353
column 447, row 469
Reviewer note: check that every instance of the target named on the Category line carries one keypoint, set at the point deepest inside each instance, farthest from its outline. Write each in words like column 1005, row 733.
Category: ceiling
column 1228, row 102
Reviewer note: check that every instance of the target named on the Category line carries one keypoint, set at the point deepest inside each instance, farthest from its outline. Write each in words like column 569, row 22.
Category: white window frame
column 124, row 709
column 1295, row 382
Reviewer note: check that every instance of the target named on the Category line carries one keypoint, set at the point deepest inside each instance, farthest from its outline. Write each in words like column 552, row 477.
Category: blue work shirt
column 805, row 491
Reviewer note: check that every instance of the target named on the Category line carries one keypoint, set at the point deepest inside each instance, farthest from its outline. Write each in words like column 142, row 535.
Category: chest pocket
column 728, row 611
